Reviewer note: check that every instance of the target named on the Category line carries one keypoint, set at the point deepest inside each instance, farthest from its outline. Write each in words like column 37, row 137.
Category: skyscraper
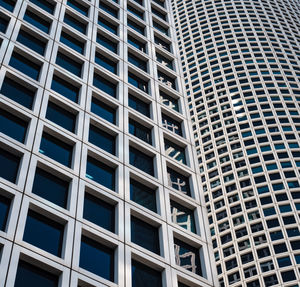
column 99, row 181
column 241, row 66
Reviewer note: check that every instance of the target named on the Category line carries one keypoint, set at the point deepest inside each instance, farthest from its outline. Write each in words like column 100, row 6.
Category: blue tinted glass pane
column 68, row 64
column 143, row 195
column 104, row 111
column 144, row 235
column 78, row 7
column 137, row 62
column 73, row 22
column 9, row 165
column 17, row 92
column 30, row 275
column 108, row 25
column 3, row 24
column 99, row 212
column 100, row 173
column 135, row 26
column 144, row 276
column 61, row 117
column 112, row 46
column 72, row 42
column 31, row 42
column 106, row 63
column 140, row 131
column 44, row 233
column 51, row 187
column 47, row 6
column 141, row 161
column 13, row 126
column 105, row 85
column 108, row 9
column 179, row 181
column 56, row 149
column 37, row 21
column 65, row 88
column 137, row 82
column 8, row 4
column 22, row 64
column 102, row 139
column 139, row 105
column 97, row 258
column 4, row 210
column 135, row 43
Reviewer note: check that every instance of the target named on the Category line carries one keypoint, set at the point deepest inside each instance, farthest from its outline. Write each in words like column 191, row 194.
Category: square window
column 100, row 172
column 136, row 43
column 97, row 258
column 75, row 23
column 12, row 125
column 68, row 63
column 141, row 273
column 72, row 42
column 174, row 151
column 141, row 160
column 56, row 149
column 169, row 101
column 106, row 62
column 137, row 62
column 143, row 195
column 139, row 105
column 109, row 9
column 102, row 139
column 110, row 45
column 24, row 65
column 43, row 232
column 9, row 166
column 178, row 181
column 61, row 116
column 105, row 85
column 35, row 19
column 45, row 5
column 4, row 211
column 145, row 235
column 183, row 216
column 108, row 25
column 51, row 187
column 136, row 27
column 140, row 131
column 99, row 212
column 103, row 110
column 31, row 275
column 171, row 124
column 138, row 82
column 30, row 40
column 161, row 43
column 79, row 7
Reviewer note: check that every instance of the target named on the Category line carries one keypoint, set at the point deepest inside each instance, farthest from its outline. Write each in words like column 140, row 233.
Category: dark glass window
column 183, row 216
column 103, row 110
column 69, row 64
column 140, row 131
column 43, row 232
column 175, row 151
column 141, row 273
column 162, row 43
column 288, row 276
column 108, row 25
column 30, row 275
column 99, row 212
column 45, row 5
column 187, row 257
column 72, row 42
column 158, row 13
column 141, row 161
column 102, row 139
column 4, row 211
column 61, row 116
column 4, row 21
column 106, row 63
column 65, row 88
column 110, row 45
column 9, row 166
column 169, row 101
column 8, row 4
column 169, row 81
column 138, row 82
column 12, row 125
column 100, row 173
column 137, row 62
column 171, row 124
column 51, row 187
column 164, row 61
column 78, row 7
column 97, row 258
column 179, row 181
column 143, row 195
column 36, row 20
column 145, row 235
column 104, row 85
column 24, row 65
column 139, row 105
column 110, row 10
column 135, row 12
column 136, row 43
column 75, row 23
column 56, row 149
column 32, row 42
column 136, row 27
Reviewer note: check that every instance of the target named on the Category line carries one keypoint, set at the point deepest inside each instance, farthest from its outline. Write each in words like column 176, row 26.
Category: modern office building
column 241, row 65
column 99, row 180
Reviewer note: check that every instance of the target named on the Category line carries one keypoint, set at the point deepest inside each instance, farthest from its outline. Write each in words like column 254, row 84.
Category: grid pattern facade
column 241, row 68
column 99, row 185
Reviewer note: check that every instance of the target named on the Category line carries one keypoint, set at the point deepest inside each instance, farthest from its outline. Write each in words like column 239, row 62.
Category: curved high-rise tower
column 241, row 65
